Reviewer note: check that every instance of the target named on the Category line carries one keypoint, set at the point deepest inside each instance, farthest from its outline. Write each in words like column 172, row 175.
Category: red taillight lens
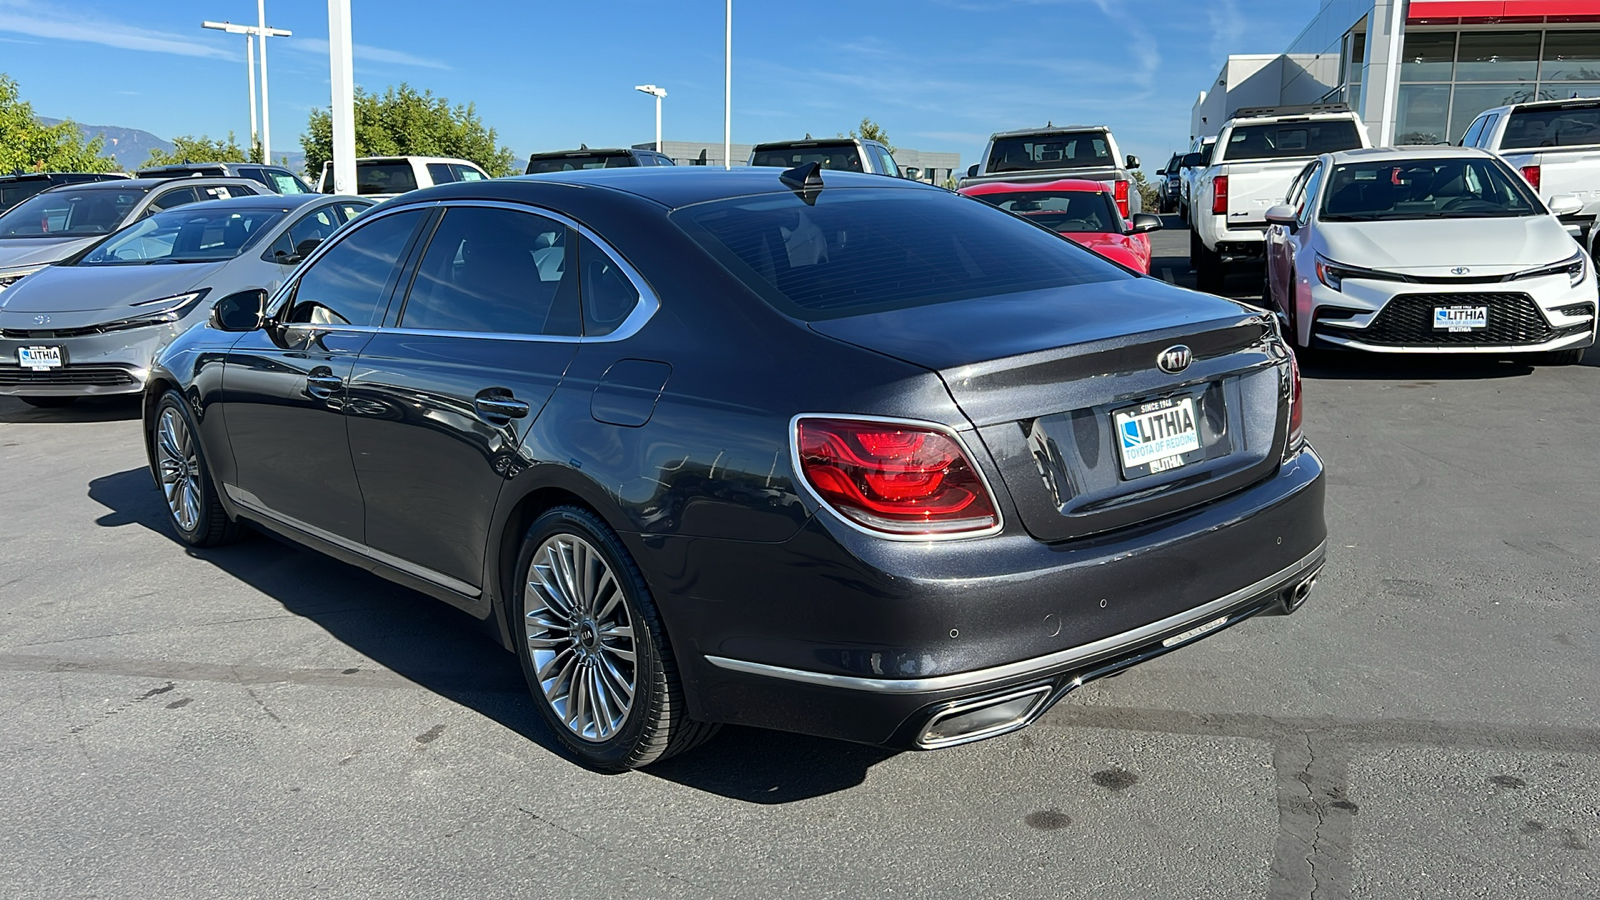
column 1120, row 192
column 1530, row 174
column 1219, row 195
column 1296, row 409
column 894, row 478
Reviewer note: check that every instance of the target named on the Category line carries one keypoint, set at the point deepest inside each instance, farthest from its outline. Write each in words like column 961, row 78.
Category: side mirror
column 1162, row 172
column 1144, row 223
column 1565, row 205
column 1190, row 160
column 1133, row 161
column 972, row 171
column 1283, row 214
column 913, row 173
column 243, row 311
column 304, row 248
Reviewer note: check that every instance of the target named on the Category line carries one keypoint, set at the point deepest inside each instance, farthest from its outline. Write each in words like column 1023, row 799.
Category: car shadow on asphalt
column 1422, row 368
column 84, row 409
column 452, row 654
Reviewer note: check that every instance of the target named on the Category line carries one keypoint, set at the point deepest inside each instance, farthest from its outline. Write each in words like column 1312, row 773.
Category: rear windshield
column 185, row 235
column 574, row 163
column 69, row 213
column 1285, row 140
column 1054, row 151
column 1552, row 127
column 1067, row 212
column 384, row 178
column 1424, row 189
column 863, row 250
column 842, row 157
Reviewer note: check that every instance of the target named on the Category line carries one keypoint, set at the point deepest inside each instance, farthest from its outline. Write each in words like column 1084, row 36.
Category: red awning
column 1491, row 10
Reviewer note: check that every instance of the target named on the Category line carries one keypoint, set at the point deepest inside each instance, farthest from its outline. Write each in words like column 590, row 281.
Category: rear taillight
column 1530, row 174
column 1120, row 192
column 894, row 478
column 1219, row 195
column 1297, row 433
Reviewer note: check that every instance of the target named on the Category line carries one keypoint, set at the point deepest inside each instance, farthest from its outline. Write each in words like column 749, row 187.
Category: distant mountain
column 131, row 147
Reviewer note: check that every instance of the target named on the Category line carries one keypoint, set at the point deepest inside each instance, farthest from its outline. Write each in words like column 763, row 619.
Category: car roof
column 808, row 142
column 670, row 187
column 1048, row 129
column 145, row 184
column 1060, row 184
column 589, row 151
column 1572, row 102
column 1402, row 153
column 420, row 159
column 284, row 202
column 34, row 176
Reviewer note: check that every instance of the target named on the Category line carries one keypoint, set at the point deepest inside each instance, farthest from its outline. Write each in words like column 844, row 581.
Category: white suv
column 386, row 176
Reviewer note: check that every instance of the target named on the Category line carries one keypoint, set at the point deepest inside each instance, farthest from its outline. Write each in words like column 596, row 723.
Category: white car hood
column 103, row 293
column 1436, row 246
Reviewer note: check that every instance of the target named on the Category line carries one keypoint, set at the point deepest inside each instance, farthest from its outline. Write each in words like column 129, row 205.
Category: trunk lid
column 1042, row 375
column 1254, row 186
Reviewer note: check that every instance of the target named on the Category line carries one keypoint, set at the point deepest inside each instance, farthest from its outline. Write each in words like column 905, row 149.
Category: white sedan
column 1428, row 250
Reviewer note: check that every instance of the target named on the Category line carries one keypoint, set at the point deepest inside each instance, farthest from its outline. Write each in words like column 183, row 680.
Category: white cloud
column 47, row 21
column 365, row 53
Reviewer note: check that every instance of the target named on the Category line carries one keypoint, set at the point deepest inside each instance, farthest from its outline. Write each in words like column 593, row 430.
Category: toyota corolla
column 814, row 451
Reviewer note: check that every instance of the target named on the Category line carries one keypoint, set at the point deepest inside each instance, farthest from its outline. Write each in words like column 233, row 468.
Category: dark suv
column 584, row 158
column 20, row 186
column 844, row 154
column 277, row 179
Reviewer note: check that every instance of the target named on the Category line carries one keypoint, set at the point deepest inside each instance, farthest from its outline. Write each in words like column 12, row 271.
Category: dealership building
column 1418, row 72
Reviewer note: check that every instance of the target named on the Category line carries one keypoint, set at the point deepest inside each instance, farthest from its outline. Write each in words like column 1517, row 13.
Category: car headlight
column 1330, row 274
column 8, row 277
column 166, row 311
column 1576, row 266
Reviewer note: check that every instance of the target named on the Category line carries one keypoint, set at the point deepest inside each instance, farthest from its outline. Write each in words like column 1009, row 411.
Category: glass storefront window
column 1566, row 90
column 1571, row 56
column 1429, row 56
column 1424, row 114
column 1472, row 99
column 1498, row 56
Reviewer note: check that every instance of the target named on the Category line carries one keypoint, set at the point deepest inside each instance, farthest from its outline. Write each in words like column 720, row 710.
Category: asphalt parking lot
column 260, row 721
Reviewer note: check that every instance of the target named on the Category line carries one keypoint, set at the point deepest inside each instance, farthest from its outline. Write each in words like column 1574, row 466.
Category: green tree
column 1149, row 194
column 403, row 122
column 869, row 130
column 27, row 145
column 190, row 149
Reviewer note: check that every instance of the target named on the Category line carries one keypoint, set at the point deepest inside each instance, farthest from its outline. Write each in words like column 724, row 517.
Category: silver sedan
column 91, row 324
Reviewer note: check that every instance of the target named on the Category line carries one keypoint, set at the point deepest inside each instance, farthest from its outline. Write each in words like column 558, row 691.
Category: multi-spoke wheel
column 180, row 469
column 593, row 647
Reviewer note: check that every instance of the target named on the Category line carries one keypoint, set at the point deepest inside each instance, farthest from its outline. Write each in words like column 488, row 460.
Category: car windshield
column 1051, row 151
column 1552, row 127
column 1283, row 140
column 69, row 213
column 1424, row 189
column 538, row 165
column 842, row 157
column 185, row 235
column 862, row 250
column 384, row 178
column 1068, row 212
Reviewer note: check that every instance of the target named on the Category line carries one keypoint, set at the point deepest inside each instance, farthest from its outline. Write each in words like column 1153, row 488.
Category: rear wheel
column 192, row 505
column 48, row 402
column 593, row 648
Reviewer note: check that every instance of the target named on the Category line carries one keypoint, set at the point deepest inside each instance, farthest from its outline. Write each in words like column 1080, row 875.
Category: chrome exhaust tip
column 1297, row 595
column 965, row 721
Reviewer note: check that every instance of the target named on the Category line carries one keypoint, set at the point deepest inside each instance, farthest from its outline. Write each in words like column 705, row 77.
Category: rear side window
column 1470, row 139
column 867, row 250
column 608, row 294
column 841, row 157
column 1552, row 127
column 495, row 271
column 349, row 284
column 171, row 199
column 1283, row 140
column 441, row 173
column 384, row 178
column 1050, row 151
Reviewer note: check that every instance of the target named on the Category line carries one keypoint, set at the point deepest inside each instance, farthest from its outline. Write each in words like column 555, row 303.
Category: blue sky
column 938, row 75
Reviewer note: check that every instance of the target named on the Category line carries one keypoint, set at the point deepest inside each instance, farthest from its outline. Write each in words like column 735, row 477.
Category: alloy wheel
column 179, row 465
column 580, row 637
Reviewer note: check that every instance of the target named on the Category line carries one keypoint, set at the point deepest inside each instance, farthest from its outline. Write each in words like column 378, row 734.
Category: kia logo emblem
column 41, row 320
column 1174, row 359
column 1460, row 270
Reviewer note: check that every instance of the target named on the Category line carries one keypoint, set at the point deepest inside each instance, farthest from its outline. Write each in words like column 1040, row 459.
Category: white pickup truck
column 1555, row 144
column 1033, row 155
column 1257, row 155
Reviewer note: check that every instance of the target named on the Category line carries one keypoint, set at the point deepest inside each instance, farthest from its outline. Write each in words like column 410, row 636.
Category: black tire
column 656, row 724
column 1559, row 357
column 1209, row 271
column 180, row 465
column 48, row 402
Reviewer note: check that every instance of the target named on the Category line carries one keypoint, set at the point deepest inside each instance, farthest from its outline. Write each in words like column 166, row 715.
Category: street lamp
column 657, row 93
column 251, row 34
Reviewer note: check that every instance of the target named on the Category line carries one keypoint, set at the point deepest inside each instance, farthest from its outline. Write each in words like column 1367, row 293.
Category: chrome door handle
column 500, row 407
column 323, row 386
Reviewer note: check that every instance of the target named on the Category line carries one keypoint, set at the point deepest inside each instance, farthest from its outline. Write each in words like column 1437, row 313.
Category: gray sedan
column 92, row 324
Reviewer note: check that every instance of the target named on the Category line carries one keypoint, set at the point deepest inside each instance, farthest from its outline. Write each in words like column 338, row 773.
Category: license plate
column 1460, row 318
column 1156, row 435
column 39, row 358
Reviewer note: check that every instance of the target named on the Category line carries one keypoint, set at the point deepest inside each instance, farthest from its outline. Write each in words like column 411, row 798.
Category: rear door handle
column 500, row 406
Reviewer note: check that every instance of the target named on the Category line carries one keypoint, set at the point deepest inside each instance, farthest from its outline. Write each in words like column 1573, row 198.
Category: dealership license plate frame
column 1474, row 317
column 50, row 356
column 1168, row 461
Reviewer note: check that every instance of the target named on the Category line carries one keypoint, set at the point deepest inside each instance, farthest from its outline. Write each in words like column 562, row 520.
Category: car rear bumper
column 870, row 641
column 95, row 365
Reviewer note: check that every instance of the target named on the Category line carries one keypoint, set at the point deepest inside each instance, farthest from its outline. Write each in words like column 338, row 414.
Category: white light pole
column 727, row 96
column 657, row 93
column 260, row 33
column 342, row 111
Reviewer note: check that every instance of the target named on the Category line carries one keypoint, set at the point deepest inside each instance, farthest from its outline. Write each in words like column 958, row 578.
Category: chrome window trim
column 1026, row 667
column 800, row 478
column 275, row 304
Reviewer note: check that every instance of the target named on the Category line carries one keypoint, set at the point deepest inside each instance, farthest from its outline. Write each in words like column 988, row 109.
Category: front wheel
column 593, row 648
column 192, row 505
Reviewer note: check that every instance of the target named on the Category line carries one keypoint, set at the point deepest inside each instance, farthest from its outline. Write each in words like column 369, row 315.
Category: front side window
column 349, row 285
column 1284, row 140
column 466, row 173
column 1067, row 212
column 68, row 213
column 302, row 237
column 286, row 183
column 185, row 236
column 1424, row 189
column 1058, row 151
column 861, row 250
column 495, row 271
column 1304, row 207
